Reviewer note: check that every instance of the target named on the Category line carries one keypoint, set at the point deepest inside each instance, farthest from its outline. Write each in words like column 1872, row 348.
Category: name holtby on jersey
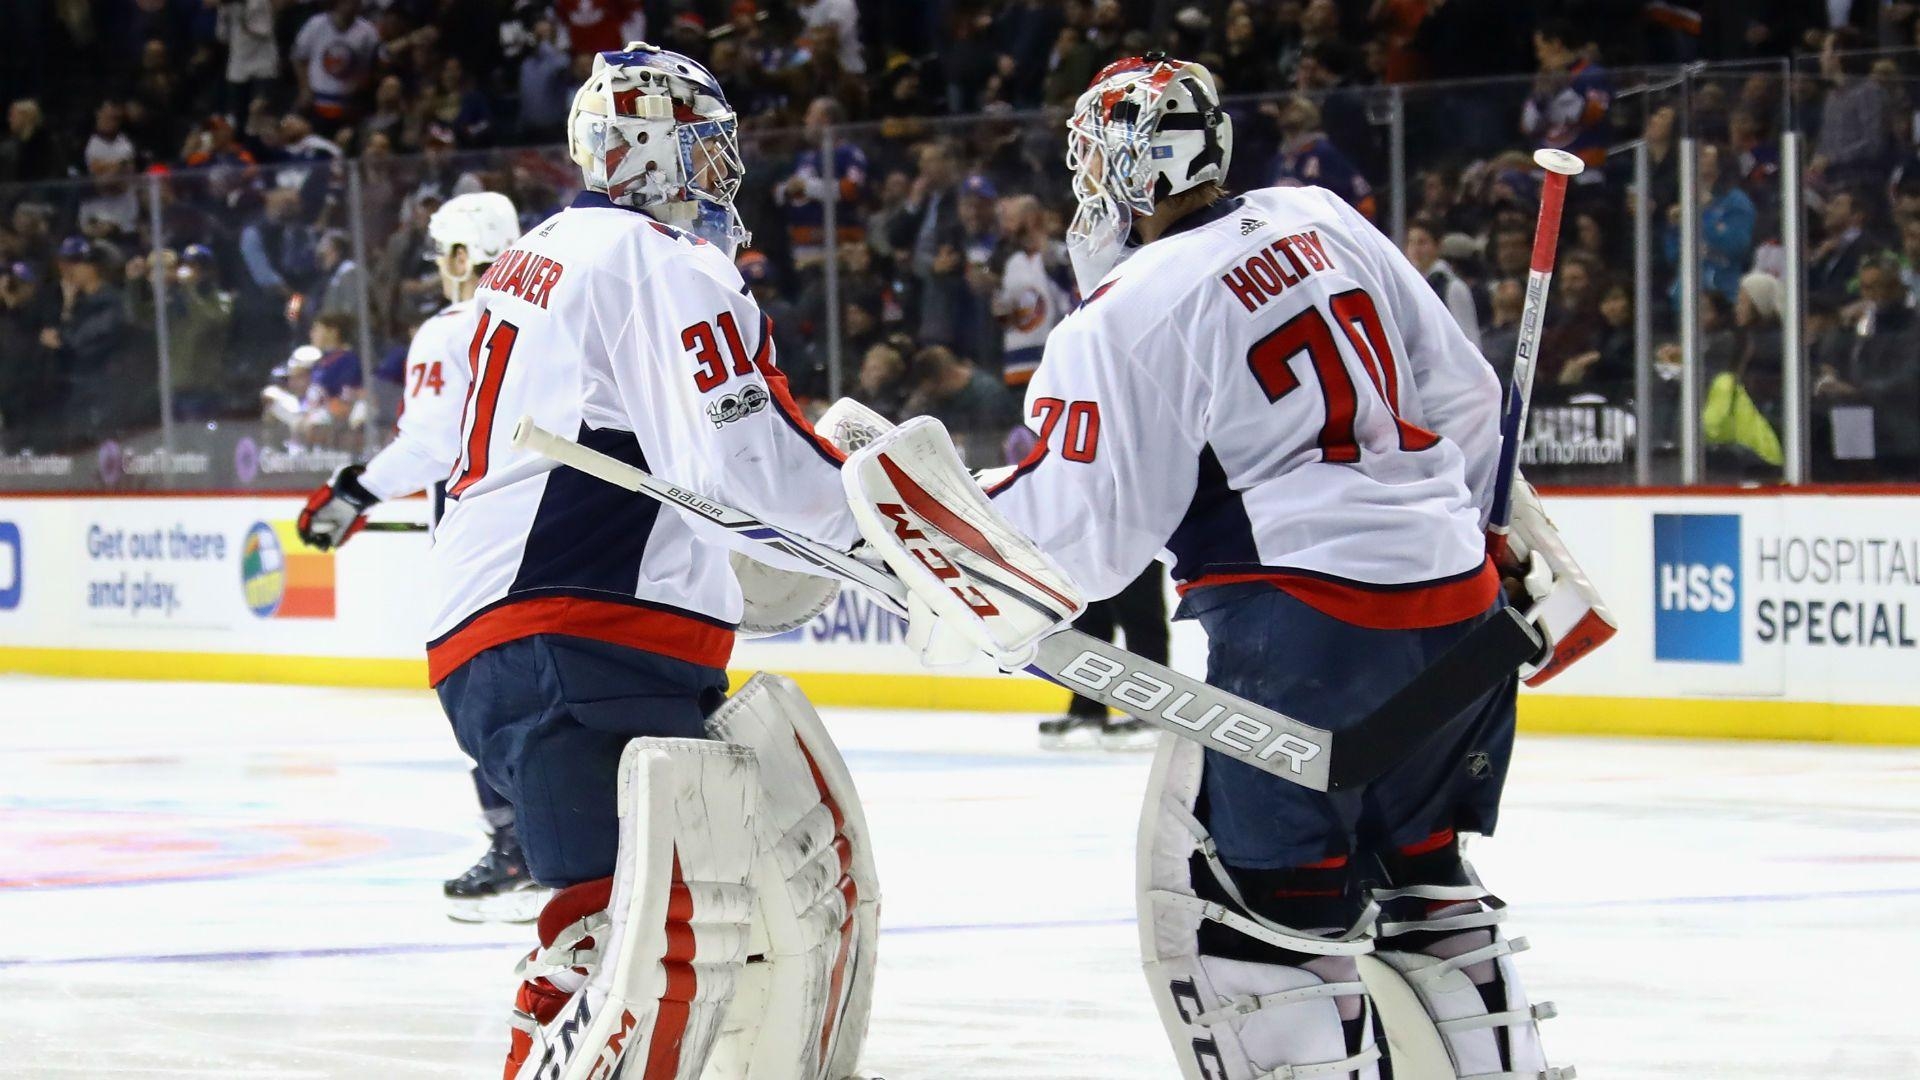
column 1276, row 268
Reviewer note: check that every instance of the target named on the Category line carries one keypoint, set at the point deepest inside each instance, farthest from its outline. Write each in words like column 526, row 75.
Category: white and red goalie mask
column 1148, row 127
column 652, row 130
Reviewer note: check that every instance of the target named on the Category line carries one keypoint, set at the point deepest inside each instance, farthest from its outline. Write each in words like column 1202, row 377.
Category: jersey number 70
column 1359, row 320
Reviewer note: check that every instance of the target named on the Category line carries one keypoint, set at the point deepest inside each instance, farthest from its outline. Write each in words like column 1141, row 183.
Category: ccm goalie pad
column 1564, row 604
column 1442, row 977
column 1242, row 996
column 801, row 1013
column 635, row 971
column 974, row 582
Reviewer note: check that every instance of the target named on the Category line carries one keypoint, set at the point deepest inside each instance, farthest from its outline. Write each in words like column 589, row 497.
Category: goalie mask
column 652, row 130
column 480, row 226
column 1147, row 128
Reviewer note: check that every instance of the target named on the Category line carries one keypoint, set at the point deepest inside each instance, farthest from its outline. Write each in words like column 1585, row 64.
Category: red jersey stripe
column 665, row 632
column 1377, row 607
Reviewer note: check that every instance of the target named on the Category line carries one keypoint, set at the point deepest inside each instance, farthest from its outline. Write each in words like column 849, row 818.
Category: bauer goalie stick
column 1559, row 165
column 1216, row 719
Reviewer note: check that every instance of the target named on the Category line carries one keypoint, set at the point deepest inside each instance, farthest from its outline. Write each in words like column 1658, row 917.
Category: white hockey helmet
column 652, row 130
column 483, row 223
column 1147, row 127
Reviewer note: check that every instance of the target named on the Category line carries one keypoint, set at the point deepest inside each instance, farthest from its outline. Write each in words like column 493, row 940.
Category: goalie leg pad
column 638, row 987
column 802, row 1010
column 1286, row 1003
column 1444, row 980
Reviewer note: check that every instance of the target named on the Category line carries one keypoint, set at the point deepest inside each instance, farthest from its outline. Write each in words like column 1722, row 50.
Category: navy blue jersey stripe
column 587, row 533
column 1215, row 529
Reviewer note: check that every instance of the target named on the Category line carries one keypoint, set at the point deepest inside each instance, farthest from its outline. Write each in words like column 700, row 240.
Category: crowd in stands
column 269, row 165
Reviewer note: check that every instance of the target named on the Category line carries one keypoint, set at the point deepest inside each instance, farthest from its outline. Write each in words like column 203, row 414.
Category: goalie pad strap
column 803, row 1007
column 1297, row 1010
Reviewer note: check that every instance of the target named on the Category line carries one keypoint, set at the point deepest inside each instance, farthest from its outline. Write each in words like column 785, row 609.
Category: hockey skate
column 497, row 888
column 1070, row 732
column 1128, row 733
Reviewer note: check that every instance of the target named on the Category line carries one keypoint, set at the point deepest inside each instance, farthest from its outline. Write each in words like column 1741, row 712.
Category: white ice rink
column 227, row 881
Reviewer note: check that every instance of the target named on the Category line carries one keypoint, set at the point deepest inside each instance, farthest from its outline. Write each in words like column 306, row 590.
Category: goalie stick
column 1216, row 719
column 1560, row 166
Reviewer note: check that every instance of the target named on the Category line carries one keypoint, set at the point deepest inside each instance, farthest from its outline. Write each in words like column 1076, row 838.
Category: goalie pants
column 546, row 719
column 1271, row 648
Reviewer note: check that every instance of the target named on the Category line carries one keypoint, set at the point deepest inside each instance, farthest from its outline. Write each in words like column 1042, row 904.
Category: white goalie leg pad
column 775, row 601
column 1565, row 604
column 662, row 961
column 806, row 995
column 1233, row 1019
column 967, row 568
column 1431, row 978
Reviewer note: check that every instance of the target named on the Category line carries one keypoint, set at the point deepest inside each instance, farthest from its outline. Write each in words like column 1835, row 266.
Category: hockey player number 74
column 1359, row 320
column 487, row 356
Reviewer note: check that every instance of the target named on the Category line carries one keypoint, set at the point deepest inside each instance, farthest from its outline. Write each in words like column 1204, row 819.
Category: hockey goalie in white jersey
column 1262, row 387
column 465, row 236
column 716, row 903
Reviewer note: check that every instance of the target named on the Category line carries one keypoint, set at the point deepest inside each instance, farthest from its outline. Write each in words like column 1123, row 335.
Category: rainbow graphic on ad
column 279, row 585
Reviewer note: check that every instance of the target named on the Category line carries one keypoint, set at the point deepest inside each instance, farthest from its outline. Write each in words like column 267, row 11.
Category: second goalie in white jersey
column 715, row 913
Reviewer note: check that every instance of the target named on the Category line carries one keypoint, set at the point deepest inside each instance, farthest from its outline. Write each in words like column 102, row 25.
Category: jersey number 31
column 487, row 357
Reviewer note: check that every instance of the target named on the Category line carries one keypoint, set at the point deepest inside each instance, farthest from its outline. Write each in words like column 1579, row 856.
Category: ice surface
column 230, row 881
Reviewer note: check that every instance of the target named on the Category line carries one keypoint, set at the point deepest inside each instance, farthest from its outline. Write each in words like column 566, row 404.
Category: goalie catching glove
column 974, row 582
column 1560, row 600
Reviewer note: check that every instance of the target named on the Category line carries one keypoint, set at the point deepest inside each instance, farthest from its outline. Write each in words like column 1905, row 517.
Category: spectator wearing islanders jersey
column 1028, row 301
column 333, row 63
column 803, row 194
column 1571, row 96
column 1307, row 158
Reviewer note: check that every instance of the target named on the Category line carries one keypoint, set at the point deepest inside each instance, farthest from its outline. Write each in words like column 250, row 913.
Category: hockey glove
column 336, row 509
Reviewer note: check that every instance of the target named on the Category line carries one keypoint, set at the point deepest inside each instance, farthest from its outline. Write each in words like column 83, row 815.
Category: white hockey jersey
column 642, row 342
column 434, row 390
column 1269, row 392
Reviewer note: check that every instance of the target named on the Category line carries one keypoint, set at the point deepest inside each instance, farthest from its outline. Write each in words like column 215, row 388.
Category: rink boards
column 1743, row 614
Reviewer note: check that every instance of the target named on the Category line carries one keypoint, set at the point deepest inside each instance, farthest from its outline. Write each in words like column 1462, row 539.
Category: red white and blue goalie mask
column 1146, row 128
column 652, row 130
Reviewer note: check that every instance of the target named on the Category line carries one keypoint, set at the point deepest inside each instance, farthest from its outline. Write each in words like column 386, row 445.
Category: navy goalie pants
column 546, row 719
column 1271, row 648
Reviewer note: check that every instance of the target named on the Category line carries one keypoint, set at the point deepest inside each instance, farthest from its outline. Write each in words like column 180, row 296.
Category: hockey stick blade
column 1488, row 655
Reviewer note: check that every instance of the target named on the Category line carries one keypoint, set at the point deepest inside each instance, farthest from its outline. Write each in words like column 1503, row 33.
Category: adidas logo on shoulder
column 1248, row 226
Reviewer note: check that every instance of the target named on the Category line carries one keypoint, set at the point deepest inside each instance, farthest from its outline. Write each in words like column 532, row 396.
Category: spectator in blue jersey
column 338, row 381
column 1308, row 157
column 1726, row 229
column 804, row 193
column 1571, row 97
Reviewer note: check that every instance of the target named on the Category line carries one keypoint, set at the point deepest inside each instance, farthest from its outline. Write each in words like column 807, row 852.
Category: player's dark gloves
column 336, row 509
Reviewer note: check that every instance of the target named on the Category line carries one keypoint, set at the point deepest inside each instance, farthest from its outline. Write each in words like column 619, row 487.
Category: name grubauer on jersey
column 434, row 390
column 1269, row 392
column 642, row 339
